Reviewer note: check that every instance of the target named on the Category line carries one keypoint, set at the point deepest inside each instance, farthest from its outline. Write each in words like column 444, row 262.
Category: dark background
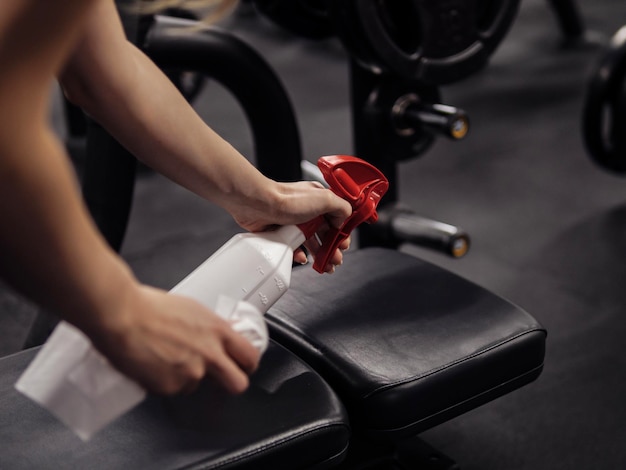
column 548, row 226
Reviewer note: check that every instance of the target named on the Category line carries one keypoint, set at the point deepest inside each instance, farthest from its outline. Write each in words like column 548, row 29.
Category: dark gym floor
column 548, row 226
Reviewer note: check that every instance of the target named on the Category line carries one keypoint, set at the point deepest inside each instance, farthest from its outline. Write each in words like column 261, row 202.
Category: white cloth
column 72, row 380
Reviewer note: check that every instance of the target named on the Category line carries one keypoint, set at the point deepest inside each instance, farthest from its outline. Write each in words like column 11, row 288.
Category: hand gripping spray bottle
column 256, row 267
column 240, row 282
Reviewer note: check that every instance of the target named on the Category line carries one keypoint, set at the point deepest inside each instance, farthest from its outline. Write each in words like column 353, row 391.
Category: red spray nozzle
column 359, row 183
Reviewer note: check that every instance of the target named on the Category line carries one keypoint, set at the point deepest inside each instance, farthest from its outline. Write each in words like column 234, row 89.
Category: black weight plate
column 604, row 110
column 307, row 18
column 436, row 42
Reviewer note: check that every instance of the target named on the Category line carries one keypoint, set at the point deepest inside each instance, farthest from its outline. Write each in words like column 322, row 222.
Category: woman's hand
column 296, row 203
column 312, row 245
column 169, row 343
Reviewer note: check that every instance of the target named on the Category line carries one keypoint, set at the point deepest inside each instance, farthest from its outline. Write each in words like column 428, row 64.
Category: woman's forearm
column 127, row 93
column 122, row 89
column 49, row 249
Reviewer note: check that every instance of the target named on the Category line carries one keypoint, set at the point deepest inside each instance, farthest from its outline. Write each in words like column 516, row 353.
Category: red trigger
column 361, row 184
column 348, row 186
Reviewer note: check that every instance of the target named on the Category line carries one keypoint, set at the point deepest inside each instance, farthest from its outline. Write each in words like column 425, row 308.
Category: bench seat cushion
column 289, row 414
column 406, row 344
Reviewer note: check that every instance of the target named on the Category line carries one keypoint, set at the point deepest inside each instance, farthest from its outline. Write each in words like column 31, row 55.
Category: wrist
column 105, row 308
column 256, row 205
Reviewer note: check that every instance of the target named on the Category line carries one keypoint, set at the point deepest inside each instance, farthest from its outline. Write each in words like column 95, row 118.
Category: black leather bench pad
column 407, row 345
column 289, row 416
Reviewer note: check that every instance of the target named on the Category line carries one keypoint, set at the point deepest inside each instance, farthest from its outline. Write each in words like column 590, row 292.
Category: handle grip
column 359, row 183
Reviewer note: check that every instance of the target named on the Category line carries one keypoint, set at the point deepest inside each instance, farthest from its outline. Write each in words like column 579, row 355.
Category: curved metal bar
column 570, row 19
column 251, row 80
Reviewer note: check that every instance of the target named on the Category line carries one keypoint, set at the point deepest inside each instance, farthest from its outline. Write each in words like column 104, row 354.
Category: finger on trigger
column 299, row 256
column 345, row 244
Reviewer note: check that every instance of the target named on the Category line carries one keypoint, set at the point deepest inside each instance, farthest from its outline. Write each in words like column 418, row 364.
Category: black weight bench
column 369, row 357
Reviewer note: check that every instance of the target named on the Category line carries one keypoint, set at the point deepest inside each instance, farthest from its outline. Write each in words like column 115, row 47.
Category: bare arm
column 44, row 223
column 49, row 248
column 118, row 85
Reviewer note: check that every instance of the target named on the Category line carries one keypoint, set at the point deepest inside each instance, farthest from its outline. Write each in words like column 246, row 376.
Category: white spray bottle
column 256, row 267
column 240, row 282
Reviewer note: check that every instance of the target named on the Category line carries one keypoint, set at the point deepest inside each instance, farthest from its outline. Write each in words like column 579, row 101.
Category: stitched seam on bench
column 467, row 400
column 259, row 449
column 447, row 366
